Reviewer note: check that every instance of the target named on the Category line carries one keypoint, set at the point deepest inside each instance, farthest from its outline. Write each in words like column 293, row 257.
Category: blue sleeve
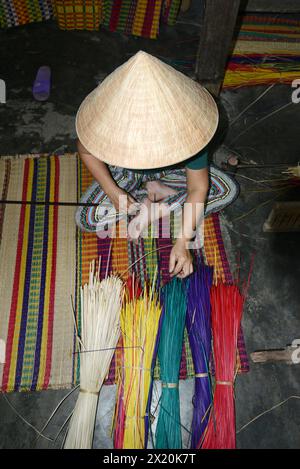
column 198, row 161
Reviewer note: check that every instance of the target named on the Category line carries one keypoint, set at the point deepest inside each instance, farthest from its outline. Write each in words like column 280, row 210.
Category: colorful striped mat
column 136, row 17
column 124, row 254
column 18, row 12
column 37, row 265
column 44, row 259
column 140, row 17
column 267, row 50
column 170, row 11
column 78, row 14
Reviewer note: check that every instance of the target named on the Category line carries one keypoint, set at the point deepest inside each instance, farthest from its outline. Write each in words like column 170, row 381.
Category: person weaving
column 143, row 135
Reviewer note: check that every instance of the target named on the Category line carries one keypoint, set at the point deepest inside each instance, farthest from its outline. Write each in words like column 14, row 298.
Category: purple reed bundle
column 198, row 324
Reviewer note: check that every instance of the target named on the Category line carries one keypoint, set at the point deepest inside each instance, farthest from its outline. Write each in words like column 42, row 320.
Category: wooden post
column 216, row 42
column 289, row 354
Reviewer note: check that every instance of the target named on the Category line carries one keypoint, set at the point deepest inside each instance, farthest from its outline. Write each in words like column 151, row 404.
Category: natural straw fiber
column 146, row 115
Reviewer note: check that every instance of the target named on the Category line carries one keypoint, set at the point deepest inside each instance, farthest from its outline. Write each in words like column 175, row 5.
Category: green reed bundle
column 168, row 430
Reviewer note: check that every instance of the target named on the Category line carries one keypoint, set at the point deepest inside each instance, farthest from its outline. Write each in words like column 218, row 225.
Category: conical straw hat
column 146, row 115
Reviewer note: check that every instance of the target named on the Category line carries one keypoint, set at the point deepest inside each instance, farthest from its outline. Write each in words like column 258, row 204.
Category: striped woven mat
column 43, row 261
column 266, row 50
column 18, row 12
column 137, row 17
column 79, row 14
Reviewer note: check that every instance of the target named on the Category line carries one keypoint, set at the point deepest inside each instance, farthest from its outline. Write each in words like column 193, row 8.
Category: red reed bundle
column 227, row 307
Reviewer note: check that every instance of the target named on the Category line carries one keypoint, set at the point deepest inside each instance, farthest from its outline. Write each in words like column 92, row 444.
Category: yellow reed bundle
column 140, row 319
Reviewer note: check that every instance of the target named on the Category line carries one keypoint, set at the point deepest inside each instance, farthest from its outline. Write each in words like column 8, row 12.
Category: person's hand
column 128, row 205
column 180, row 263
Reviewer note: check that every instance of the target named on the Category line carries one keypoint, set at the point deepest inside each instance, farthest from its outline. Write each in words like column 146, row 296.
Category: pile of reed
column 100, row 332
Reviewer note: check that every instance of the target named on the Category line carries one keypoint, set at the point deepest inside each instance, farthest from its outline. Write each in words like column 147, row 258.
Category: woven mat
column 140, row 17
column 37, row 265
column 18, row 12
column 266, row 50
column 137, row 17
column 74, row 14
column 44, row 259
column 124, row 254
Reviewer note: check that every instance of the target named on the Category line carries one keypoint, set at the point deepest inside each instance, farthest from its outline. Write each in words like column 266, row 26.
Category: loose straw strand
column 267, row 411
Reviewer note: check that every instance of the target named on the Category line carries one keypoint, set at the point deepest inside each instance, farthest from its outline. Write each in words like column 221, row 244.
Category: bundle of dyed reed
column 168, row 430
column 227, row 306
column 140, row 324
column 198, row 323
column 100, row 332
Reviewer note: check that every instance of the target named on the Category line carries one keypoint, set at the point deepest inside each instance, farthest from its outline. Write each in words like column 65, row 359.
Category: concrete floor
column 79, row 61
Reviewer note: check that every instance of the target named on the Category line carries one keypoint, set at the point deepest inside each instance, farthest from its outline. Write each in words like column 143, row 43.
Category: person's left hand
column 180, row 263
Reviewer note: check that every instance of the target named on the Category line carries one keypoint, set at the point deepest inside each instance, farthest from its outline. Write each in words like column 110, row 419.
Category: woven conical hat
column 146, row 115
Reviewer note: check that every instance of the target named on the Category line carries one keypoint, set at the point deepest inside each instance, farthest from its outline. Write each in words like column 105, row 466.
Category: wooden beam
column 216, row 42
column 289, row 355
column 284, row 218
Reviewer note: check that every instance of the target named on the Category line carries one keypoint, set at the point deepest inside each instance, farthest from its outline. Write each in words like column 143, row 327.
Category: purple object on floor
column 41, row 86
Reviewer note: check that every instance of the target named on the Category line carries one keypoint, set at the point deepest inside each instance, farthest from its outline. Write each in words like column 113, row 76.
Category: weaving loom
column 44, row 260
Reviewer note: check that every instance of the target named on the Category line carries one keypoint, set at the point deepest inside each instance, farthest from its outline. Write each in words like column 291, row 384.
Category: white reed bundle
column 100, row 332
